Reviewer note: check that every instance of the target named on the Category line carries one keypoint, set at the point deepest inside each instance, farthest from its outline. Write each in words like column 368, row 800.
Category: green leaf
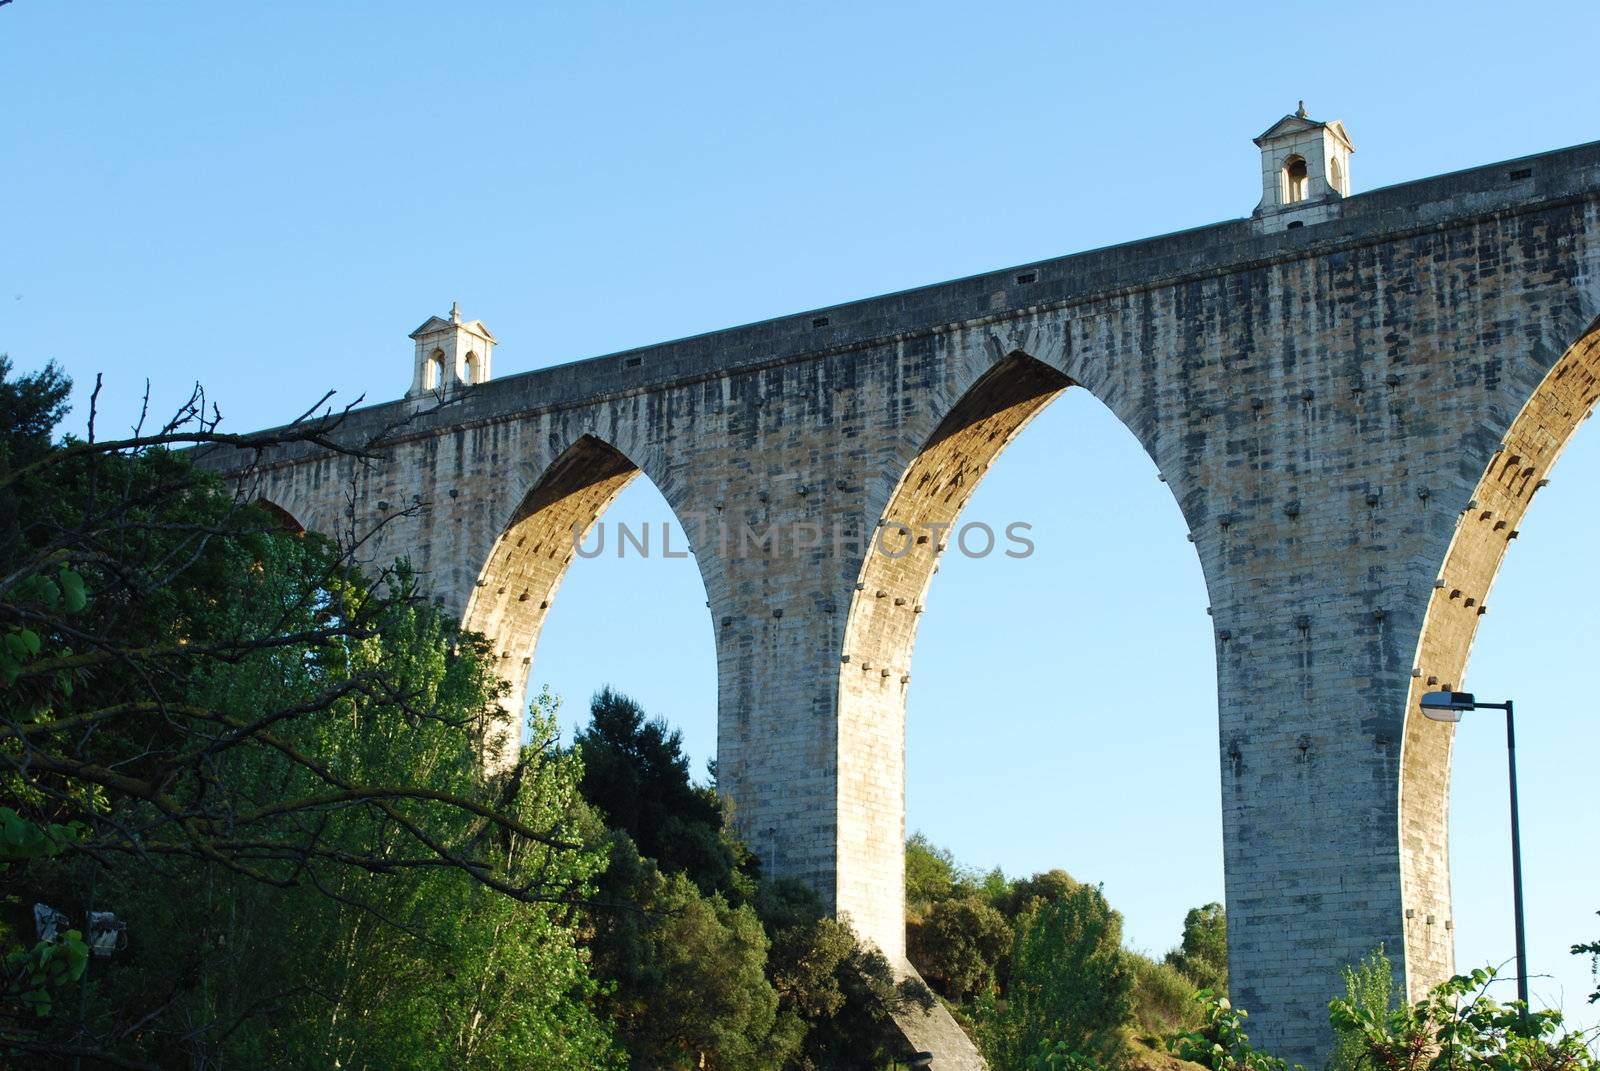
column 72, row 590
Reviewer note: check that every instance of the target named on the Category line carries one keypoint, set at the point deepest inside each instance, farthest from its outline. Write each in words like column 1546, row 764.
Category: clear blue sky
column 269, row 197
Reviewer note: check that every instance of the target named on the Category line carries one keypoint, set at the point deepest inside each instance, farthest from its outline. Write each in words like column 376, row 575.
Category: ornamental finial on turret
column 1300, row 113
column 455, row 312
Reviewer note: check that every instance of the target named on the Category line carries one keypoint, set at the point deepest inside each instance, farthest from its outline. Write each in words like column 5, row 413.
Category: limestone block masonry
column 1353, row 414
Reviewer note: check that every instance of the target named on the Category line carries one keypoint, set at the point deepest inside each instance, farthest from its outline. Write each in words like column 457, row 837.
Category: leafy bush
column 1220, row 1043
column 1026, row 893
column 1369, row 986
column 1457, row 1027
column 1163, row 998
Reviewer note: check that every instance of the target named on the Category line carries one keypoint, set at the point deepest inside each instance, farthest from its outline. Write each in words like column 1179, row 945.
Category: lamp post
column 1448, row 707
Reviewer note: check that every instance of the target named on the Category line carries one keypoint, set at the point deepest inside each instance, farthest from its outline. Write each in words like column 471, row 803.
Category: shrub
column 1457, row 1027
column 1221, row 1043
column 1163, row 998
column 1369, row 986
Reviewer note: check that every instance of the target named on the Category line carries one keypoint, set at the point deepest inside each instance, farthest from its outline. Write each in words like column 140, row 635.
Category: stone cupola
column 450, row 354
column 1303, row 163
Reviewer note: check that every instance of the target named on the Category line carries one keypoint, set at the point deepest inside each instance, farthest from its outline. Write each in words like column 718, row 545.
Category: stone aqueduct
column 1353, row 399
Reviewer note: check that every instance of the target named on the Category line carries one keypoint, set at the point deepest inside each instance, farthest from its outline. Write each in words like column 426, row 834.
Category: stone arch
column 1487, row 524
column 284, row 500
column 279, row 515
column 880, row 630
column 1296, row 180
column 514, row 589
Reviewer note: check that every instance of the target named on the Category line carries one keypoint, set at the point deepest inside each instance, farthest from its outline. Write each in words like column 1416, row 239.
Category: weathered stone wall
column 1324, row 402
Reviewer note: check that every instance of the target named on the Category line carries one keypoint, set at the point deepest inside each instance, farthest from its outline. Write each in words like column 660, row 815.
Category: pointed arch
column 511, row 598
column 880, row 630
column 1519, row 467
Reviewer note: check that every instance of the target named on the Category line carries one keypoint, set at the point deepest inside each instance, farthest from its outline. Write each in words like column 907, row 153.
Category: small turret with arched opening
column 1303, row 163
column 450, row 354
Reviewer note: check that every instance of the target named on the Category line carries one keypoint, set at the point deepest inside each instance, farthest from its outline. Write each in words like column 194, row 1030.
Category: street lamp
column 1448, row 707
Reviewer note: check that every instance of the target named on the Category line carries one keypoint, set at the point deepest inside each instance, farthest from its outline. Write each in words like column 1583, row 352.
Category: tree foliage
column 132, row 579
column 961, row 940
column 1163, row 999
column 265, row 762
column 1025, row 894
column 636, row 775
column 1203, row 954
column 1071, row 985
column 707, row 966
column 1592, row 950
column 931, row 875
column 845, row 993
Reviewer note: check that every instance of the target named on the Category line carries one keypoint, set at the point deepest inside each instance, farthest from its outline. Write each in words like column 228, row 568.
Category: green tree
column 270, row 765
column 675, row 934
column 958, row 946
column 687, row 972
column 688, row 980
column 1203, row 955
column 636, row 775
column 415, row 967
column 844, row 993
column 1026, row 893
column 1071, row 985
column 931, row 875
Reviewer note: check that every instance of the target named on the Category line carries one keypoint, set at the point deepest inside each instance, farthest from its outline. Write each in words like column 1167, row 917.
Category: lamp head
column 1447, row 706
